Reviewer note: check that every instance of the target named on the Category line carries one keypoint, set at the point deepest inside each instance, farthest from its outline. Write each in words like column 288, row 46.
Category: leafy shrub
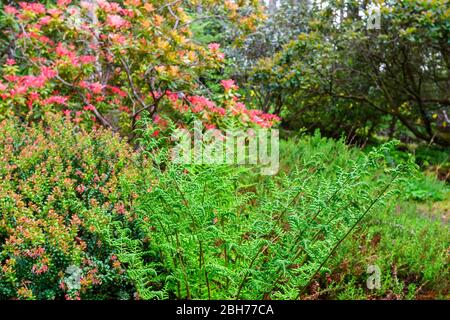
column 59, row 187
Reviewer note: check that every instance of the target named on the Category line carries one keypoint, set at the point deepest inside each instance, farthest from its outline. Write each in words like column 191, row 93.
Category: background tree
column 343, row 78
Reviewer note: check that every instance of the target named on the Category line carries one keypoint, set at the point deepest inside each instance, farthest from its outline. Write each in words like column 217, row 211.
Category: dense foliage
column 94, row 92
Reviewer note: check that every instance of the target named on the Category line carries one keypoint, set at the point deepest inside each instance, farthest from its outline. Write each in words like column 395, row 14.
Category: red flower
column 96, row 87
column 37, row 8
column 54, row 12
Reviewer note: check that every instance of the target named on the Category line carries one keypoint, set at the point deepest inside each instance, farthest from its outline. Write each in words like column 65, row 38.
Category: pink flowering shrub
column 105, row 63
column 227, row 112
column 59, row 189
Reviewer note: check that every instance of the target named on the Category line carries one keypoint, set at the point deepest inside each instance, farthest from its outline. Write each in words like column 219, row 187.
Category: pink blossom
column 87, row 59
column 63, row 3
column 72, row 11
column 33, row 96
column 220, row 111
column 124, row 109
column 38, row 270
column 34, row 253
column 83, row 84
column 33, row 81
column 54, row 12
column 11, row 78
column 270, row 117
column 128, row 12
column 77, row 119
column 89, row 107
column 45, row 40
column 160, row 121
column 104, row 5
column 45, row 20
column 96, row 87
column 37, row 8
column 117, row 38
column 228, row 84
column 120, row 207
column 62, row 285
column 240, row 107
column 61, row 50
column 86, row 5
column 200, row 102
column 80, row 188
column 10, row 62
column 17, row 91
column 48, row 72
column 118, row 91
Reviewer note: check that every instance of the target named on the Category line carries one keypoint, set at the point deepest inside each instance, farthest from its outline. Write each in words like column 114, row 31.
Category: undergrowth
column 210, row 232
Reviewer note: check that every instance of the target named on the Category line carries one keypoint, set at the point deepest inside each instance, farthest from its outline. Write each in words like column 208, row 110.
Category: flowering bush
column 107, row 62
column 59, row 188
column 212, row 232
